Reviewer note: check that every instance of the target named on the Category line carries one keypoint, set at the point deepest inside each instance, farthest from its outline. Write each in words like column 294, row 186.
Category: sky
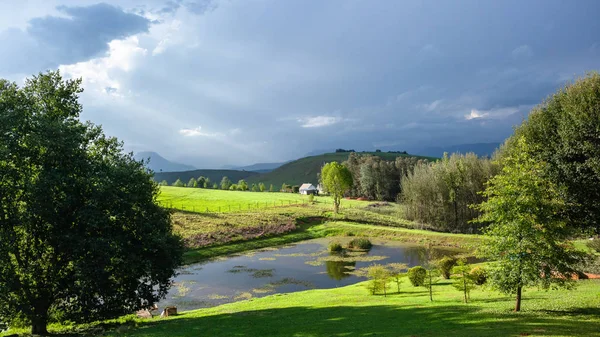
column 234, row 82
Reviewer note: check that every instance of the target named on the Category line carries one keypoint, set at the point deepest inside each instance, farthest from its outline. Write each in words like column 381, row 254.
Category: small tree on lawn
column 337, row 179
column 215, row 186
column 271, row 188
column 262, row 187
column 379, row 277
column 207, row 183
column 201, row 180
column 526, row 241
column 284, row 187
column 225, row 183
column 397, row 273
column 178, row 183
column 242, row 185
column 164, row 183
column 254, row 188
column 432, row 276
column 465, row 281
column 192, row 183
column 233, row 187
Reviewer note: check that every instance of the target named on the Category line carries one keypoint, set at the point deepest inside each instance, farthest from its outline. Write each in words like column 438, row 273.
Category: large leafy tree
column 564, row 133
column 527, row 239
column 337, row 180
column 225, row 183
column 81, row 231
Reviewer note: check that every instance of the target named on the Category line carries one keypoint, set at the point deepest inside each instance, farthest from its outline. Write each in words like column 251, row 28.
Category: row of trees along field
column 441, row 193
column 378, row 179
column 226, row 184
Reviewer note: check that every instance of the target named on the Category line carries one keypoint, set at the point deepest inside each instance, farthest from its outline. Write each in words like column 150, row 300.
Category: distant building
column 308, row 188
column 320, row 189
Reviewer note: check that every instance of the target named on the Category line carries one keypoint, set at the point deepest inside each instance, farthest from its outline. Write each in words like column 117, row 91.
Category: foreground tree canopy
column 82, row 236
column 564, row 133
column 527, row 239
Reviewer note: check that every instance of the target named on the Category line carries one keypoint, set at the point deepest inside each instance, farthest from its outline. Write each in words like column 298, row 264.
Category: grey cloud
column 81, row 34
column 394, row 74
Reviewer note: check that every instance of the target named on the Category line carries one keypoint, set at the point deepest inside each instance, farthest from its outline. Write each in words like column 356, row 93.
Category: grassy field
column 352, row 311
column 219, row 201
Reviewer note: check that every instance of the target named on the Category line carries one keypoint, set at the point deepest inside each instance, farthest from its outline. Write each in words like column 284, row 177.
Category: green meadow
column 352, row 311
column 220, row 201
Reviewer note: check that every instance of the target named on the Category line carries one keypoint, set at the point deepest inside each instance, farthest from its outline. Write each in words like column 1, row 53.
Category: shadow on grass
column 382, row 320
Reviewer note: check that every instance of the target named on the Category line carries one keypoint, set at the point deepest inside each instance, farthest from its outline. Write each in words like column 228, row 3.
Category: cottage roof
column 307, row 186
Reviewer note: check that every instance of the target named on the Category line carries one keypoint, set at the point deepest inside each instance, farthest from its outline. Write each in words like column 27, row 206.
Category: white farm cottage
column 308, row 188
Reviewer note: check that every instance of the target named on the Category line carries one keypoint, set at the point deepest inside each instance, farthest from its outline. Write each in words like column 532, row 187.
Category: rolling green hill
column 304, row 170
column 214, row 175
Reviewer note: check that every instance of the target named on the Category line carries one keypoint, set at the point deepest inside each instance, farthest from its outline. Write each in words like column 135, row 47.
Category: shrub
column 360, row 243
column 417, row 275
column 335, row 247
column 311, row 198
column 446, row 264
column 479, row 275
column 349, row 234
column 295, row 189
column 594, row 245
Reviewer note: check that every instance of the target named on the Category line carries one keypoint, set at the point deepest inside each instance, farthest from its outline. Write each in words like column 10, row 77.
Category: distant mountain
column 480, row 149
column 260, row 167
column 319, row 152
column 305, row 170
column 159, row 164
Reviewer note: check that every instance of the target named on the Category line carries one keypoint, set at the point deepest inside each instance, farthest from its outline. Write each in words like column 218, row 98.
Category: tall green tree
column 527, row 239
column 271, row 188
column 337, row 180
column 207, row 183
column 225, row 183
column 242, row 185
column 261, row 187
column 201, row 181
column 81, row 230
column 563, row 133
column 192, row 183
column 178, row 183
column 164, row 183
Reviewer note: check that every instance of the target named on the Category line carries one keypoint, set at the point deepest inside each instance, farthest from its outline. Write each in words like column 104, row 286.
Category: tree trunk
column 518, row 304
column 430, row 288
column 39, row 325
column 336, row 205
column 39, row 319
column 465, row 287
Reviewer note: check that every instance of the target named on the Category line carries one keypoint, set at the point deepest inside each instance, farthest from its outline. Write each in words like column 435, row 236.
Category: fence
column 235, row 207
column 238, row 207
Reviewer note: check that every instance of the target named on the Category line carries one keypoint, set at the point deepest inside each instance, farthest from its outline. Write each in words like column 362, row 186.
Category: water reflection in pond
column 305, row 265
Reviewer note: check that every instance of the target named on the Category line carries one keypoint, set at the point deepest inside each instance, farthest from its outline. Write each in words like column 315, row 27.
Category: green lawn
column 220, row 201
column 351, row 311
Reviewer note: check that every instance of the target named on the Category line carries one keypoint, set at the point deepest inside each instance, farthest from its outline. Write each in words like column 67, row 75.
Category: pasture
column 202, row 200
column 352, row 311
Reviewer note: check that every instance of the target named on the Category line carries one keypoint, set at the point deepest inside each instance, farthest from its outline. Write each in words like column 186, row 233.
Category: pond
column 301, row 266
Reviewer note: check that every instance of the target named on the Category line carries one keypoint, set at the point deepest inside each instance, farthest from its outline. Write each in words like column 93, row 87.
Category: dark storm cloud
column 235, row 82
column 80, row 34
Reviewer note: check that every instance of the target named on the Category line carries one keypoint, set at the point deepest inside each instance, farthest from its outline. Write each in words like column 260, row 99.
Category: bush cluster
column 417, row 275
column 360, row 243
column 445, row 264
column 478, row 275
